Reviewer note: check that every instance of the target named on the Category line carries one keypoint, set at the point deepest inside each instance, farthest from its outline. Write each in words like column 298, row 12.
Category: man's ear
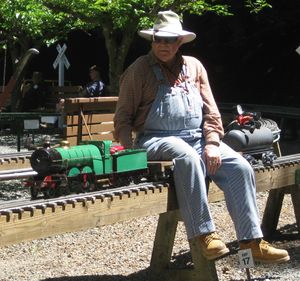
column 179, row 41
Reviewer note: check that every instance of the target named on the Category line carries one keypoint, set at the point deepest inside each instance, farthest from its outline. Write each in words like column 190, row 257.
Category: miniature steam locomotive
column 85, row 167
column 253, row 136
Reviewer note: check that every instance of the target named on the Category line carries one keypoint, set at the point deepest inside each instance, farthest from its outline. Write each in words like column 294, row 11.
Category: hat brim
column 186, row 35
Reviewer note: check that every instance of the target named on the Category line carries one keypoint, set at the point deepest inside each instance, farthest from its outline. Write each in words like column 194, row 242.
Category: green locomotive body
column 83, row 165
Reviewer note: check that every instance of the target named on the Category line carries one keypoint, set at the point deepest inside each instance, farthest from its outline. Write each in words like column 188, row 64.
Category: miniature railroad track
column 280, row 162
column 17, row 206
column 16, row 174
column 26, row 220
column 280, row 174
column 14, row 161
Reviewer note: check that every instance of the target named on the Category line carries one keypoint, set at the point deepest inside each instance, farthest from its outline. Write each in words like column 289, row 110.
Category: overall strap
column 158, row 73
column 184, row 71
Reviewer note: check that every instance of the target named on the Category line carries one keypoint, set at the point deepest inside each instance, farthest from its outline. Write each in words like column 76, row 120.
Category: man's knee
column 243, row 167
column 179, row 149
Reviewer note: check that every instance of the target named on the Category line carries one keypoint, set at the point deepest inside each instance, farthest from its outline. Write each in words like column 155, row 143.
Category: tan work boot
column 262, row 251
column 212, row 246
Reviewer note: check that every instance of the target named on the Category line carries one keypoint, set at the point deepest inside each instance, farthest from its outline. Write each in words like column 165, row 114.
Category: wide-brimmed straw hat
column 167, row 24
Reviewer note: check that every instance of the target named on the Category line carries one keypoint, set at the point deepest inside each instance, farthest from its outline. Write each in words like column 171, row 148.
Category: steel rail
column 15, row 154
column 26, row 203
column 16, row 174
column 278, row 163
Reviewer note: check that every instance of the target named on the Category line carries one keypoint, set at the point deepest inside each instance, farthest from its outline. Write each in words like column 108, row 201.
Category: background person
column 35, row 93
column 166, row 99
column 96, row 87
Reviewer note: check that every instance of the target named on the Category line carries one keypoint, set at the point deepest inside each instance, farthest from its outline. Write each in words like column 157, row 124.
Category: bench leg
column 295, row 194
column 272, row 211
column 274, row 205
column 164, row 241
column 203, row 269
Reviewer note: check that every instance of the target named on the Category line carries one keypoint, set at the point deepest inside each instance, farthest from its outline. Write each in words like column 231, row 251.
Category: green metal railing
column 21, row 123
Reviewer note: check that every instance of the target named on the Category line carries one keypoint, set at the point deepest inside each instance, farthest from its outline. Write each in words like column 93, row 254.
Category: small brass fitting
column 65, row 144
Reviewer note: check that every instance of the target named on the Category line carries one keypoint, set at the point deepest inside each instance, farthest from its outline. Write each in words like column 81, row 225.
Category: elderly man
column 166, row 99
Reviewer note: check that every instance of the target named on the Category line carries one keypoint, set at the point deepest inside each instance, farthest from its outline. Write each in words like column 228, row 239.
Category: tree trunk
column 117, row 50
column 20, row 57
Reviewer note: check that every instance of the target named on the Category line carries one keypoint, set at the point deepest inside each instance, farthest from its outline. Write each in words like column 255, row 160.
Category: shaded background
column 250, row 58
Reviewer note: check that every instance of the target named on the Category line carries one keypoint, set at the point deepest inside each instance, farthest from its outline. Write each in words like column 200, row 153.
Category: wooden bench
column 92, row 119
column 89, row 119
column 60, row 92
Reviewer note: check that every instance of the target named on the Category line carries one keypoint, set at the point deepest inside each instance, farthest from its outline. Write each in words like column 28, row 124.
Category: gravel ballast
column 122, row 251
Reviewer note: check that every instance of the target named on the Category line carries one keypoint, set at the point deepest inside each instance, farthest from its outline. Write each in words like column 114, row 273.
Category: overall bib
column 173, row 131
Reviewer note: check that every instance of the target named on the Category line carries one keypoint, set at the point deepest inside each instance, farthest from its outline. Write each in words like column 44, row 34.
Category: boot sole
column 284, row 259
column 217, row 255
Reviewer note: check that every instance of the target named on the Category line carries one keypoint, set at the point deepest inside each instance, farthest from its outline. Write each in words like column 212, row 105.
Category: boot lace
column 264, row 244
column 211, row 237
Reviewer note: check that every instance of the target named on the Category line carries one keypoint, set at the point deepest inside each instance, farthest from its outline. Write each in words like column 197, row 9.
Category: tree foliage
column 119, row 20
column 28, row 23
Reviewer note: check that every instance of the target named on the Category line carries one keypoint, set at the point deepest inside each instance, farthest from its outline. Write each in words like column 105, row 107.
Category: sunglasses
column 166, row 40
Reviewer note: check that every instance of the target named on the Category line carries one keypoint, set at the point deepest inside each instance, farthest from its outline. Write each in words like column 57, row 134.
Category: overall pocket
column 172, row 105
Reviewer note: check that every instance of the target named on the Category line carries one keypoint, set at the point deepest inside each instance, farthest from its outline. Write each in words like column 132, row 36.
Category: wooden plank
column 79, row 216
column 99, row 104
column 272, row 178
column 92, row 118
column 277, row 177
column 101, row 136
column 6, row 164
column 98, row 100
column 102, row 128
column 61, row 92
column 72, row 140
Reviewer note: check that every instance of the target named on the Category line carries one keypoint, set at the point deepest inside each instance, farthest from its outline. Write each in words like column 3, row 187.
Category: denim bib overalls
column 173, row 131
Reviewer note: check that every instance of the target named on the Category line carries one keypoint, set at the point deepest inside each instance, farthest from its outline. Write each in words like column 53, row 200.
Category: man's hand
column 212, row 158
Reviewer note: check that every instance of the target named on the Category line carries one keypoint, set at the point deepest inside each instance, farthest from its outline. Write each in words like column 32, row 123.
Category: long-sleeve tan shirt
column 138, row 88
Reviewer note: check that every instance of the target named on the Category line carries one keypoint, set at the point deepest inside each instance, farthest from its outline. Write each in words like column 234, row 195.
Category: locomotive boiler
column 84, row 167
column 253, row 136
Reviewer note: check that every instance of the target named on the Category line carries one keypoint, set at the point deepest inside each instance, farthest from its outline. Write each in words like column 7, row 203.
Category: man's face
column 94, row 75
column 165, row 48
